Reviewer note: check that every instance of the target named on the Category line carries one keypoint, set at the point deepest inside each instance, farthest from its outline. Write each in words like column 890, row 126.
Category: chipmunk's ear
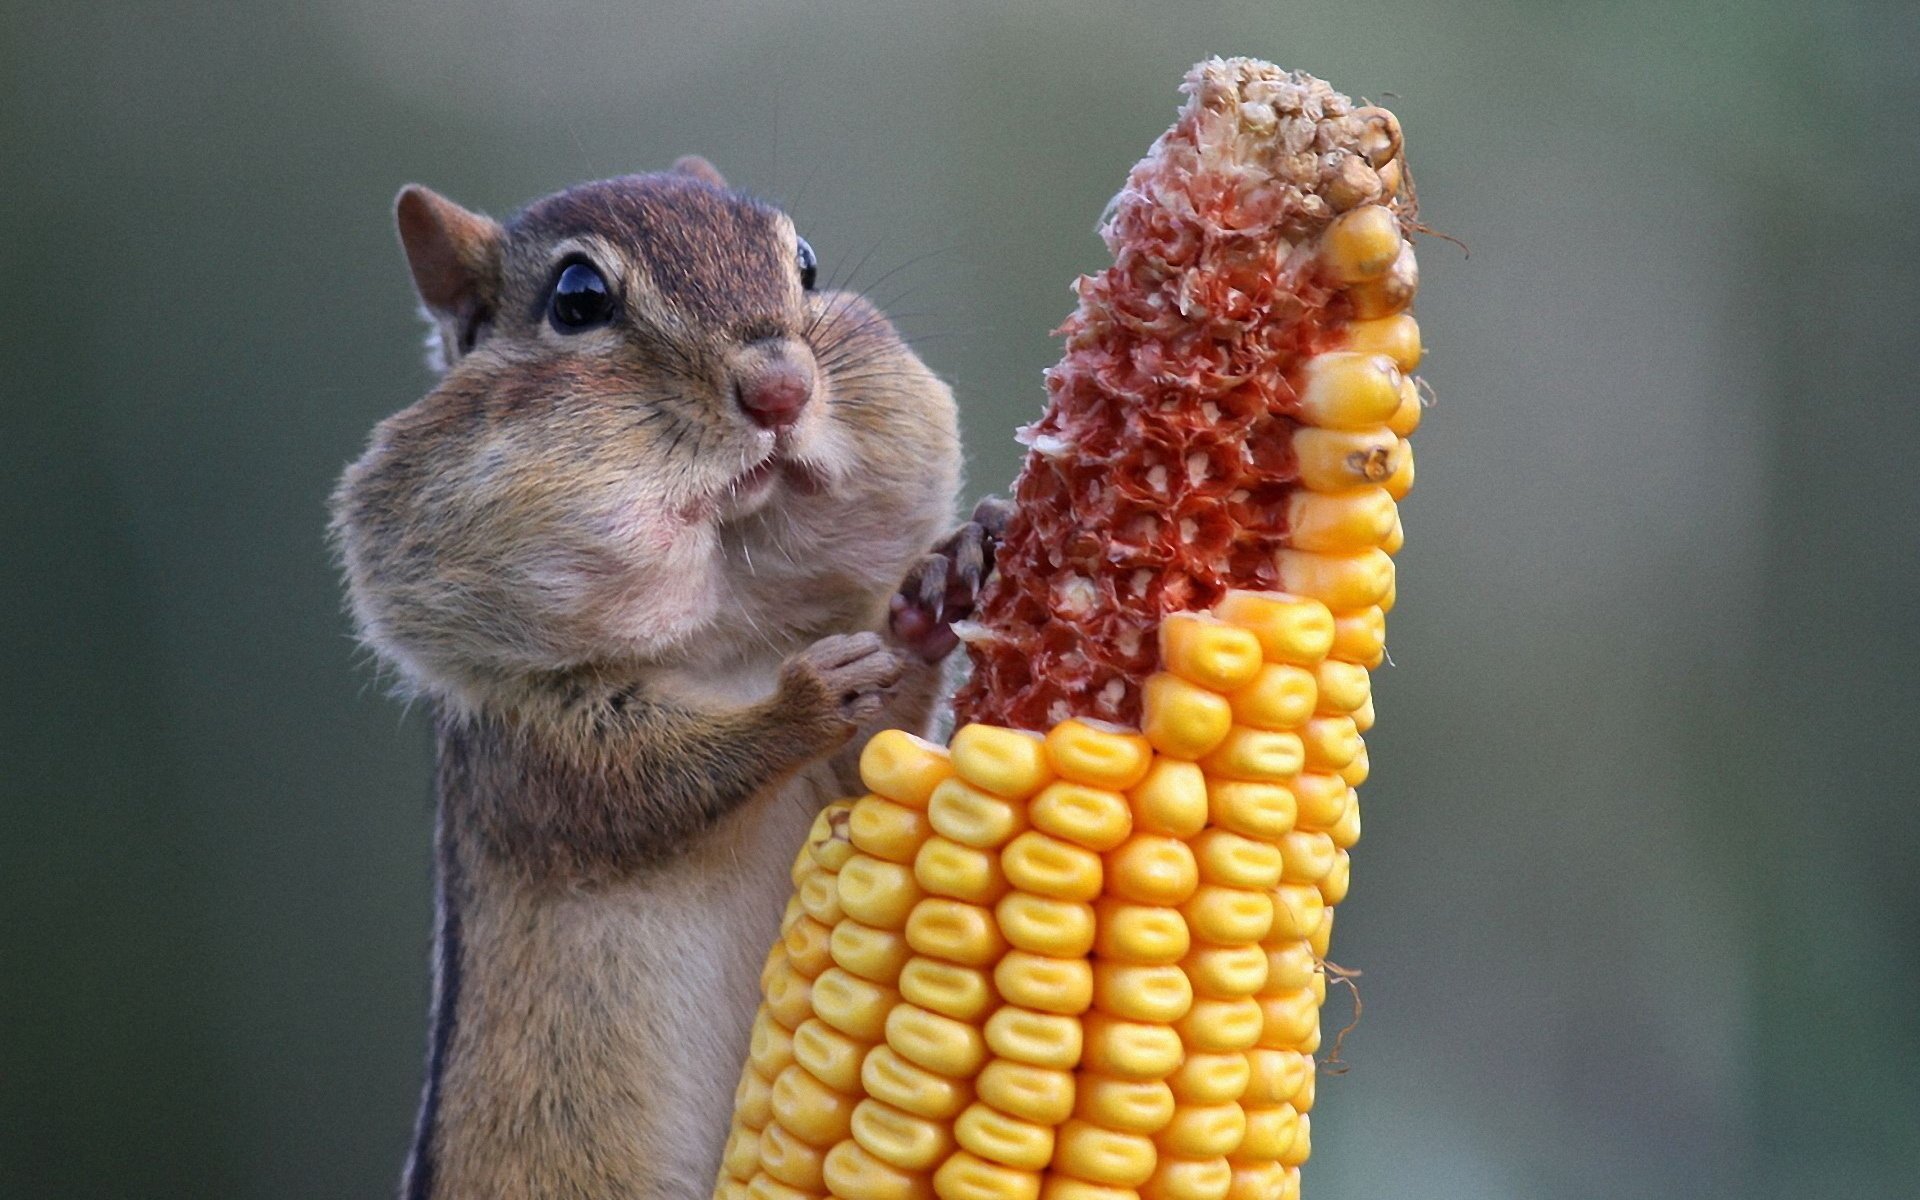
column 455, row 257
column 699, row 168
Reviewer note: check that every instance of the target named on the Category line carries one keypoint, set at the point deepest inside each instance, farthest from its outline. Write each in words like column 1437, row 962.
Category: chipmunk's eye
column 581, row 299
column 809, row 265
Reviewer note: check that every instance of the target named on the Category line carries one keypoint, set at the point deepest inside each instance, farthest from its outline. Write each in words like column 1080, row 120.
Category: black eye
column 809, row 265
column 581, row 299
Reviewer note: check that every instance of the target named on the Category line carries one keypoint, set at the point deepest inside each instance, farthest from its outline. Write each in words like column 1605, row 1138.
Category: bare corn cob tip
column 1203, row 388
column 1088, row 964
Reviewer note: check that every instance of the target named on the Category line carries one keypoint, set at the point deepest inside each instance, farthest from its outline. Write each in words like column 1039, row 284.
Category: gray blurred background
column 1637, row 906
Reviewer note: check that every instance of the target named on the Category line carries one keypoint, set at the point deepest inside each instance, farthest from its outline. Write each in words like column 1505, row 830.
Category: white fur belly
column 602, row 1032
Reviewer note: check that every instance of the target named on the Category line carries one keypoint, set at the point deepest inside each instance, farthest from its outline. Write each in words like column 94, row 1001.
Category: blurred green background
column 1639, row 902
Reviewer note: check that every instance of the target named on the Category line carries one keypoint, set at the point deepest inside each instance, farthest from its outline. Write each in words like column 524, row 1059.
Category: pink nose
column 773, row 392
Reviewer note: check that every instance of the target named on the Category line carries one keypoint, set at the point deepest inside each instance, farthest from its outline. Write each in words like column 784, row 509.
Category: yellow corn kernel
column 902, row 767
column 1054, row 1186
column 1280, row 696
column 973, row 816
column 1322, row 798
column 1355, row 773
column 1288, row 1019
column 1035, row 862
column 1130, row 1049
column 770, row 1046
column 1333, row 885
column 1129, row 1105
column 1098, row 756
column 1303, row 1099
column 1182, row 719
column 1144, row 933
column 1297, row 910
column 1396, row 538
column 827, row 843
column 1291, row 629
column 1364, row 715
column 878, row 893
column 940, row 1044
column 753, row 1099
column 1257, row 810
column 1171, row 800
column 966, row 1176
column 1209, row 652
column 828, row 1055
column 788, row 995
column 1302, row 1146
column 1400, row 482
column 854, row 1174
column 1341, row 581
column 733, row 1188
column 889, row 1077
column 806, row 945
column 1141, row 991
column 1211, row 1078
column 1276, row 1076
column 946, row 988
column 1008, row 1140
column 1228, row 915
column 1388, row 293
column 1150, row 869
column 1334, row 460
column 1043, row 925
column 791, row 1160
column 1082, row 814
column 1406, row 414
column 1036, row 1038
column 1290, row 966
column 1346, row 831
column 902, row 1139
column 947, row 868
column 1361, row 243
column 1341, row 687
column 1007, row 762
column 887, row 830
column 1188, row 1179
column 1361, row 637
column 1340, row 522
column 1306, row 856
column 1087, row 1151
column 1041, row 1094
column 1203, row 1131
column 1269, row 1132
column 1263, row 755
column 1254, row 1179
column 820, row 896
column 1222, row 1026
column 766, row 1187
column 1223, row 972
column 874, row 954
column 856, row 1007
column 1344, row 390
column 1322, row 934
column 955, row 931
column 1043, row 983
column 1397, row 337
column 741, row 1157
column 1227, row 858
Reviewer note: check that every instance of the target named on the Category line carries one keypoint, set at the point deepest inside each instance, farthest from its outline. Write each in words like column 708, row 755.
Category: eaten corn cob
column 1078, row 954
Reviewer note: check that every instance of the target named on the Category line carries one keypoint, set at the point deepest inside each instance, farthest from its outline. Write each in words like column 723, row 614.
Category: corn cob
column 1078, row 954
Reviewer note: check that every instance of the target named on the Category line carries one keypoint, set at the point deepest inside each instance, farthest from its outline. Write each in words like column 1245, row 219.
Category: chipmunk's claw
column 942, row 587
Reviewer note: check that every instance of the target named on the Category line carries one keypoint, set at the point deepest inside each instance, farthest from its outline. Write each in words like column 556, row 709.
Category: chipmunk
column 659, row 550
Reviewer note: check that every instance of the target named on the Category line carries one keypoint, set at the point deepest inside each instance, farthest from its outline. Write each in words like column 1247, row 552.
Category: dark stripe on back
column 446, row 1005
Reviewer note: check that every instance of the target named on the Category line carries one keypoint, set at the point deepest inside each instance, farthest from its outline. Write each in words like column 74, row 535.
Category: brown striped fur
column 643, row 677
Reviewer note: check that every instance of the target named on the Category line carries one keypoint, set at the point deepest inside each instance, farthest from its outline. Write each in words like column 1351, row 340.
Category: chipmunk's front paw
column 849, row 675
column 942, row 587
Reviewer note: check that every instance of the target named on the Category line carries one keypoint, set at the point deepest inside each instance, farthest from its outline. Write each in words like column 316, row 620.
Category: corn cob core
column 1088, row 964
column 1167, row 466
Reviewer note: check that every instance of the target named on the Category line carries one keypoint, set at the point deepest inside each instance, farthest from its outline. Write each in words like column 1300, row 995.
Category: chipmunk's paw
column 942, row 587
column 849, row 675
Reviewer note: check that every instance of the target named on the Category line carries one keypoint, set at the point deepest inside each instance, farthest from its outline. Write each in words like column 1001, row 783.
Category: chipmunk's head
column 655, row 438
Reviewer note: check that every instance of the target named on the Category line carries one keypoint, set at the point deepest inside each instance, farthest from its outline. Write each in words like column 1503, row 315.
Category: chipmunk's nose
column 773, row 380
